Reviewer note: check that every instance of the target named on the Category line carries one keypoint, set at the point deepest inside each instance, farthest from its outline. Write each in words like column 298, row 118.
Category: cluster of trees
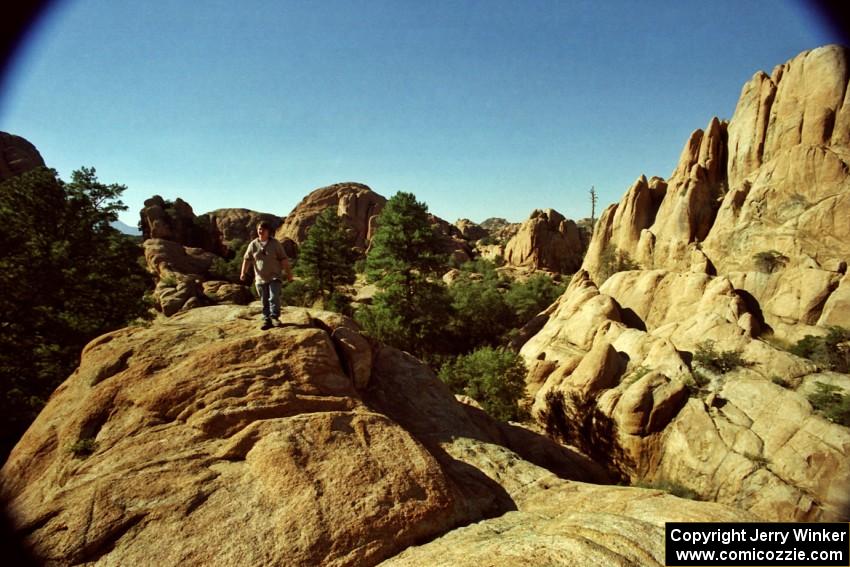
column 66, row 276
column 461, row 329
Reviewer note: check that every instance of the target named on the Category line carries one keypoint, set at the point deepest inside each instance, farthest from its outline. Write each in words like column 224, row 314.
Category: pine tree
column 404, row 261
column 326, row 258
column 66, row 276
column 405, row 244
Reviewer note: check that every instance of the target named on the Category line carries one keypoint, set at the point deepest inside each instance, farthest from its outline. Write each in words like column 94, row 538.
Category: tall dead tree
column 592, row 208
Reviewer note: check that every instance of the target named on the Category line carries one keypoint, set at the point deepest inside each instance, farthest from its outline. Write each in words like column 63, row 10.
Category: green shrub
column 671, row 486
column 297, row 292
column 636, row 374
column 338, row 302
column 613, row 260
column 229, row 269
column 577, row 420
column 326, row 257
column 486, row 268
column 700, row 380
column 83, row 447
column 832, row 403
column 414, row 321
column 722, row 362
column 405, row 259
column 829, row 352
column 66, row 277
column 780, row 381
column 485, row 313
column 769, row 261
column 532, row 296
column 480, row 315
column 495, row 378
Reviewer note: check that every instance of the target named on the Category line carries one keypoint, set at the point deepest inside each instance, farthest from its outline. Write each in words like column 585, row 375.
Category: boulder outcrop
column 802, row 102
column 470, row 230
column 748, row 238
column 570, row 524
column 185, row 251
column 359, row 207
column 202, row 439
column 546, row 241
column 17, row 156
column 234, row 226
column 356, row 203
column 166, row 256
column 175, row 221
column 198, row 438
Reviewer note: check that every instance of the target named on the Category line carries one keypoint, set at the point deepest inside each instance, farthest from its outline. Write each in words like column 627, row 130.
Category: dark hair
column 266, row 225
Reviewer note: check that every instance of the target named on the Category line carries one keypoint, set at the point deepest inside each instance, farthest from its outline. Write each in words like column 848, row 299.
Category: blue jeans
column 270, row 294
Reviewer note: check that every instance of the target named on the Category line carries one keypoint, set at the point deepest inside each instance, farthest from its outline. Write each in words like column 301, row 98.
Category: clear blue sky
column 481, row 108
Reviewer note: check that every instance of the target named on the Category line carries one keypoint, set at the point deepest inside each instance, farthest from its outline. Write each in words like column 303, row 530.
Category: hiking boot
column 267, row 324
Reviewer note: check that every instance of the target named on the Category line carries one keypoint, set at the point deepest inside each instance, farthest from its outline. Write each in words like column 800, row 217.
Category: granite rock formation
column 177, row 222
column 771, row 183
column 737, row 437
column 232, row 227
column 359, row 207
column 745, row 245
column 563, row 523
column 500, row 229
column 546, row 241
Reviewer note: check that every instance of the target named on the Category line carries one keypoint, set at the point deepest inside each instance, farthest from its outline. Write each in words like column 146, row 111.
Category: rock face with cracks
column 738, row 437
column 766, row 193
column 203, row 440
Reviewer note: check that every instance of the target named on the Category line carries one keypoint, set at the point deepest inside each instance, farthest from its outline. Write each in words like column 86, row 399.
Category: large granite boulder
column 201, row 439
column 204, row 439
column 356, row 203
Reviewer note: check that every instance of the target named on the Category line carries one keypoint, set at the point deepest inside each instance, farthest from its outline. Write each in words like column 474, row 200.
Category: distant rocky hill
column 745, row 245
column 125, row 228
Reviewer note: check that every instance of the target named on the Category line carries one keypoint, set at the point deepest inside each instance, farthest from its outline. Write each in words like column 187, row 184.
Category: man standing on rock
column 269, row 259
